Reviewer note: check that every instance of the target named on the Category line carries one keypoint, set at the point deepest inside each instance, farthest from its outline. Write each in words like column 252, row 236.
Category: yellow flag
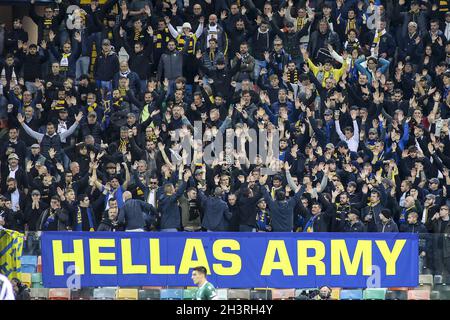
column 11, row 245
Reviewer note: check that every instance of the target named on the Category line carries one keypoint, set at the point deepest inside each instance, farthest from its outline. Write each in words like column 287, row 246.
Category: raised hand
column 79, row 116
column 20, row 118
column 77, row 36
column 51, row 36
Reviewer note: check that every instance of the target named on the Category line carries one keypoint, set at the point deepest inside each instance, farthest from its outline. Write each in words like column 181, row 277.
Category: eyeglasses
column 153, row 182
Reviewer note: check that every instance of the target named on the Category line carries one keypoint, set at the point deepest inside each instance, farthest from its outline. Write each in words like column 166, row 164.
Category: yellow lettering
column 155, row 260
column 97, row 256
column 304, row 261
column 59, row 257
column 390, row 257
column 187, row 262
column 339, row 250
column 127, row 260
column 269, row 264
column 236, row 263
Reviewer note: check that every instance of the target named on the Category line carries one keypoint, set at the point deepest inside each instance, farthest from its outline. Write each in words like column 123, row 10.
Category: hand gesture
column 79, row 116
column 77, row 36
column 60, row 167
column 29, row 165
column 20, row 118
column 147, row 11
column 52, row 153
column 51, row 35
column 150, row 31
column 44, row 44
column 223, row 15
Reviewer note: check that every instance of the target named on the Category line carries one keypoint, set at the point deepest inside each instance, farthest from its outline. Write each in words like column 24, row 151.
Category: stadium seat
column 188, row 294
column 336, row 293
column 283, row 294
column 39, row 293
column 435, row 295
column 396, row 295
column 29, row 260
column 149, row 294
column 438, row 280
column 418, row 294
column 354, row 294
column 127, row 294
column 26, row 279
column 59, row 294
column 444, row 290
column 171, row 294
column 374, row 294
column 28, row 264
column 105, row 293
column 222, row 294
column 82, row 294
column 238, row 294
column 152, row 287
column 36, row 280
column 260, row 294
column 426, row 279
column 39, row 264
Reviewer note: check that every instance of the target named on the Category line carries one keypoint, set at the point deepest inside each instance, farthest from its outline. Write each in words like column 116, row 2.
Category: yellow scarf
column 351, row 24
column 92, row 107
column 123, row 145
column 300, row 23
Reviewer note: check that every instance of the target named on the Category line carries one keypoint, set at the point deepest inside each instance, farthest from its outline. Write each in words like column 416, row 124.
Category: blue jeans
column 105, row 85
column 259, row 64
column 82, row 66
column 143, row 84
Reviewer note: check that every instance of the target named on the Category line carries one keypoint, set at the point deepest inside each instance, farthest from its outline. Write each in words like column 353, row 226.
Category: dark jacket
column 133, row 214
column 390, row 226
column 356, row 227
column 108, row 225
column 106, row 67
column 31, row 216
column 168, row 207
column 282, row 212
column 63, row 220
column 216, row 213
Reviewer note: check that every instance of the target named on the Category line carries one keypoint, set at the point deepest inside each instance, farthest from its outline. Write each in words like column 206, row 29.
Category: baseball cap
column 328, row 112
column 373, row 130
column 260, row 200
column 13, row 156
column 92, row 114
column 434, row 180
column 430, row 196
column 35, row 146
column 186, row 25
column 63, row 110
column 35, row 192
column 198, row 171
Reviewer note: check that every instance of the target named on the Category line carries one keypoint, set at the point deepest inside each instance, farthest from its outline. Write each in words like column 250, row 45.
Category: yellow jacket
column 335, row 73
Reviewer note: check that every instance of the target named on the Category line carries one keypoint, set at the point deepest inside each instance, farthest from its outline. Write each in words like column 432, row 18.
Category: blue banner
column 233, row 260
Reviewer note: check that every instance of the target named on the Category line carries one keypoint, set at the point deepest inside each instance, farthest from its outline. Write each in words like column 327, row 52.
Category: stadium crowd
column 353, row 95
